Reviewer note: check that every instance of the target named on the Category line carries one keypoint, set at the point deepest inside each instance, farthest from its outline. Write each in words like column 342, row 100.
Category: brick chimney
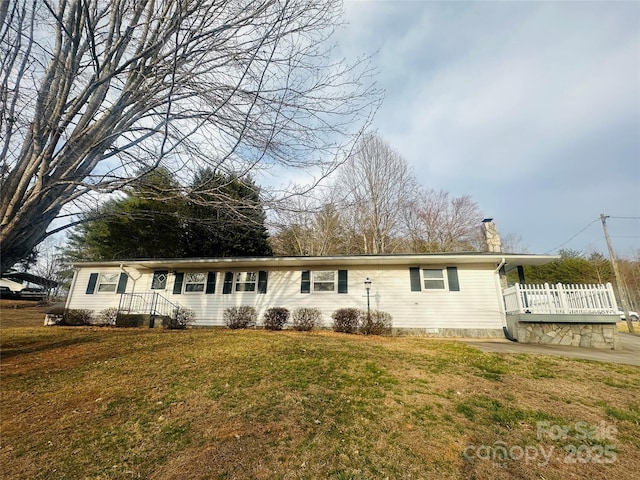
column 490, row 236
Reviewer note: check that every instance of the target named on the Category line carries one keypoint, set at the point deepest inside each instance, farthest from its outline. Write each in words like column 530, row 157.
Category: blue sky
column 532, row 108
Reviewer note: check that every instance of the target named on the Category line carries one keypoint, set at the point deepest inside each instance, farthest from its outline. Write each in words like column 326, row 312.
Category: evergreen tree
column 224, row 217
column 221, row 215
column 572, row 268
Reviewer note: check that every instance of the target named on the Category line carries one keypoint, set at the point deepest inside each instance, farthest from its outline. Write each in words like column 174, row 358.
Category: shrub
column 76, row 317
column 379, row 323
column 181, row 319
column 108, row 316
column 306, row 319
column 346, row 320
column 240, row 317
column 276, row 318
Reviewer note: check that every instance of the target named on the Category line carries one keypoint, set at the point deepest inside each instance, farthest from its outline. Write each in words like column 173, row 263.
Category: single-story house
column 446, row 294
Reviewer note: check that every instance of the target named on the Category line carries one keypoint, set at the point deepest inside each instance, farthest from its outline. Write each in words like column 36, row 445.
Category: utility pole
column 616, row 272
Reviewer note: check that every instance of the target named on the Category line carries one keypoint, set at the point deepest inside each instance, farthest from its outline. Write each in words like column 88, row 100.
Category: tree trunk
column 125, row 86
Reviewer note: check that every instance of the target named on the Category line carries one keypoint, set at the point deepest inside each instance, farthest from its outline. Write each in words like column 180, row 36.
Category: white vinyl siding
column 476, row 306
column 78, row 299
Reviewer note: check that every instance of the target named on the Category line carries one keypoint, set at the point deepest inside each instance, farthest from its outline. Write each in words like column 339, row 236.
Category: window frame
column 100, row 282
column 166, row 279
column 237, row 281
column 186, row 283
column 417, row 278
column 442, row 278
column 340, row 282
column 314, row 281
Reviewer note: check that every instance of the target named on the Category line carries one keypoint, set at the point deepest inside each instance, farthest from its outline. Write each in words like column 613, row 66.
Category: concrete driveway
column 629, row 354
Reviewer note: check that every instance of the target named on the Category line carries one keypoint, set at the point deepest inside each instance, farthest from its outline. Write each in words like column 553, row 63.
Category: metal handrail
column 151, row 303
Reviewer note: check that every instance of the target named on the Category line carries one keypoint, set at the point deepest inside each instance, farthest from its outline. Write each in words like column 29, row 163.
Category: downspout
column 503, row 315
column 121, row 295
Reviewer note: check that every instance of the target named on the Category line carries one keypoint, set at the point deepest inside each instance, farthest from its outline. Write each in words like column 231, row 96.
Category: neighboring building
column 429, row 294
column 15, row 287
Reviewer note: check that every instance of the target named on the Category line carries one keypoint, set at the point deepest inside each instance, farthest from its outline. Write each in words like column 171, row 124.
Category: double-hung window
column 107, row 282
column 433, row 278
column 319, row 281
column 246, row 281
column 194, row 282
column 324, row 281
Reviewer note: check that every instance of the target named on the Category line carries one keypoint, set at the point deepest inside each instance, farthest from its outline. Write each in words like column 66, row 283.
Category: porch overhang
column 371, row 261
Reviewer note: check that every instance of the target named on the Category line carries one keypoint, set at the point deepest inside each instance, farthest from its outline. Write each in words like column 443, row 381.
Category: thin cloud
column 534, row 102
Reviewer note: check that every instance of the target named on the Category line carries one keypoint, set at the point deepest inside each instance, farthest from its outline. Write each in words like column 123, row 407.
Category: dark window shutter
column 414, row 274
column 91, row 287
column 177, row 285
column 342, row 281
column 228, row 283
column 452, row 275
column 262, row 281
column 211, row 283
column 122, row 283
column 305, row 284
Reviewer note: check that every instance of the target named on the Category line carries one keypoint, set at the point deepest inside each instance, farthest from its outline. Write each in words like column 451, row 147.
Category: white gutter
column 502, row 264
column 343, row 261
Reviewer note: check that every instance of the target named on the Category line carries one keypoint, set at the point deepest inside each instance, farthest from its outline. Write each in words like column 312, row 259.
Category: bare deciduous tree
column 438, row 222
column 51, row 266
column 513, row 243
column 377, row 185
column 308, row 229
column 94, row 93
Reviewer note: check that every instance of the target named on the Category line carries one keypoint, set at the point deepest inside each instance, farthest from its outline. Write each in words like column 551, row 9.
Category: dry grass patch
column 624, row 327
column 21, row 313
column 82, row 402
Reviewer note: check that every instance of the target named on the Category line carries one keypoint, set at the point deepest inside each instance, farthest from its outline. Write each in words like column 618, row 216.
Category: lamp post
column 367, row 286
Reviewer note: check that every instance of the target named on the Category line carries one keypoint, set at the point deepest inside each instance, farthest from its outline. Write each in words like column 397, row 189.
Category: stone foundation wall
column 601, row 336
column 449, row 332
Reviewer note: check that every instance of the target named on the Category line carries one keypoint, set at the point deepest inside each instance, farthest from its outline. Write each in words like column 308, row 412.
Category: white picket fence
column 561, row 299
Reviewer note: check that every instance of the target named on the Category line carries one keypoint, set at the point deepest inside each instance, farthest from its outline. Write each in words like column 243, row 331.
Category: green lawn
column 122, row 404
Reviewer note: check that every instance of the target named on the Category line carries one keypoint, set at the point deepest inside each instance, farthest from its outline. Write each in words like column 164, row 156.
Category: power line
column 563, row 244
column 596, row 220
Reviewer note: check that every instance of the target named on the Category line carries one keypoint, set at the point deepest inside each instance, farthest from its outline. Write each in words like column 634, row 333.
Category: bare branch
column 131, row 85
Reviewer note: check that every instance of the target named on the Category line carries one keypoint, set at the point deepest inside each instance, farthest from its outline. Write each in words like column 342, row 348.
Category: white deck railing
column 561, row 299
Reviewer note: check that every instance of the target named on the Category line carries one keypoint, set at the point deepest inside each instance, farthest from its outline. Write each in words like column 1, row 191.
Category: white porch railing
column 561, row 299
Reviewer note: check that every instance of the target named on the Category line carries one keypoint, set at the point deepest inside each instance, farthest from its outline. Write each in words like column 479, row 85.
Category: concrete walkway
column 629, row 354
